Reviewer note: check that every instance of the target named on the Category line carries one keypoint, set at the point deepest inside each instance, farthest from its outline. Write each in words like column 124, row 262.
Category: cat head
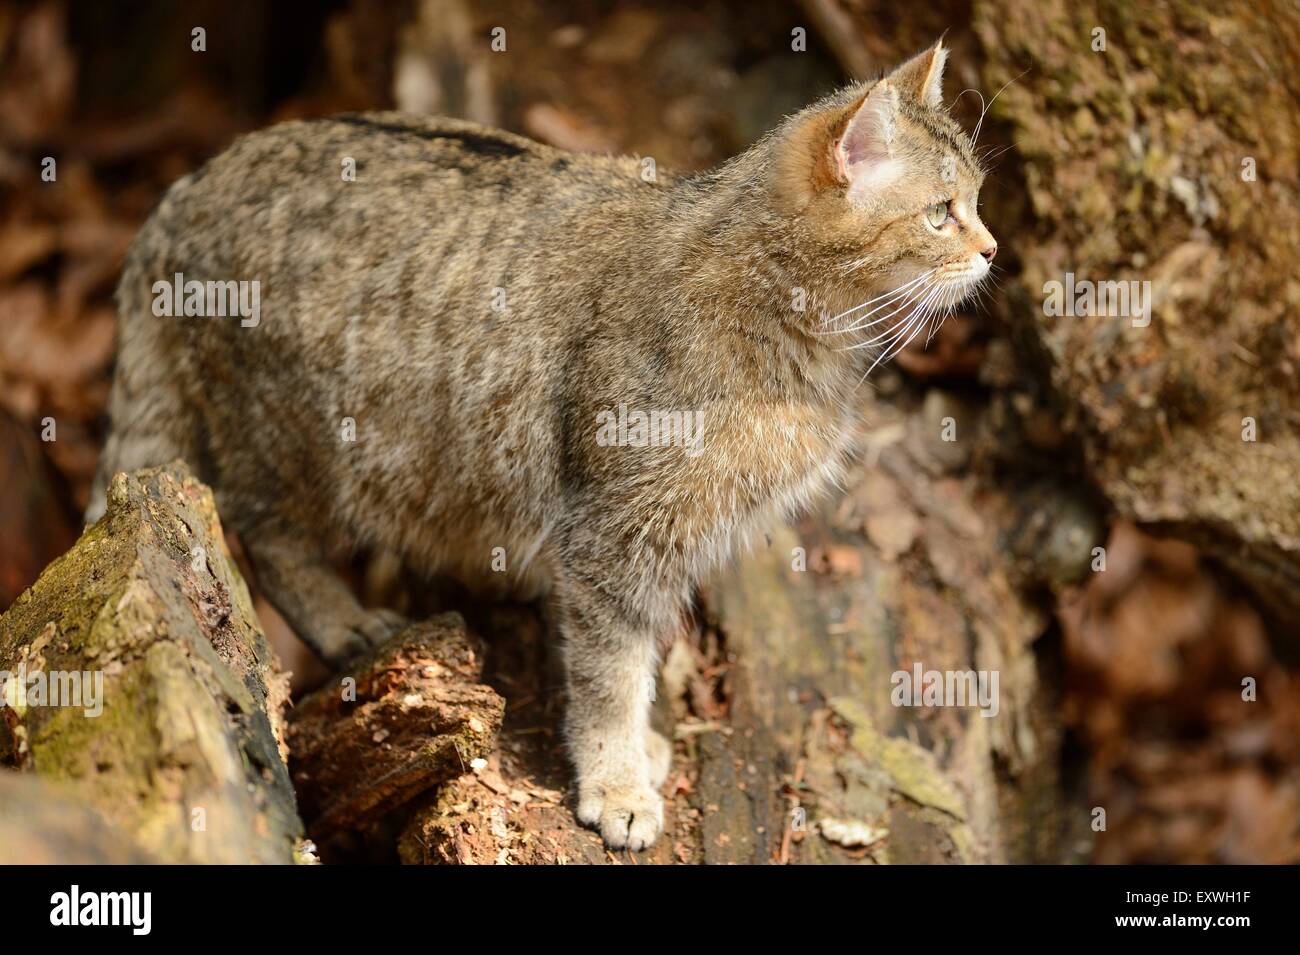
column 884, row 185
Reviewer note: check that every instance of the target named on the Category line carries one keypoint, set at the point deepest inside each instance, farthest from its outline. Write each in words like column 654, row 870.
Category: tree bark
column 408, row 717
column 915, row 566
column 185, row 757
column 1167, row 157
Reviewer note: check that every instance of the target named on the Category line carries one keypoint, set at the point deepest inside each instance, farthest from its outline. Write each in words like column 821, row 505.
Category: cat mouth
column 960, row 280
column 967, row 271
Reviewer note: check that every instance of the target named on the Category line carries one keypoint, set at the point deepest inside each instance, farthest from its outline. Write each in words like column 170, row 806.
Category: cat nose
column 991, row 251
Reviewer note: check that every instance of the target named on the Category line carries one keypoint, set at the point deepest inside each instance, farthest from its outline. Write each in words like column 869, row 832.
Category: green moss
column 181, row 729
column 913, row 771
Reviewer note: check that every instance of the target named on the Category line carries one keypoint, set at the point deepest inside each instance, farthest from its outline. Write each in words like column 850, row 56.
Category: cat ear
column 864, row 152
column 921, row 77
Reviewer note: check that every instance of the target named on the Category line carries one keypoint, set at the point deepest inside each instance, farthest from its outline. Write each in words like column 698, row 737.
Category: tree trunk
column 1171, row 162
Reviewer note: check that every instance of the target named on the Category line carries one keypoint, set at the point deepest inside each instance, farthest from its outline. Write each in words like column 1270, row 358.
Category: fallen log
column 515, row 806
column 136, row 673
column 409, row 716
column 914, row 572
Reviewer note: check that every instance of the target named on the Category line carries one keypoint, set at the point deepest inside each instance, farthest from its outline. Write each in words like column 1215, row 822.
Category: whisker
column 969, row 89
column 911, row 299
column 997, row 152
column 984, row 112
column 900, row 328
column 888, row 300
column 900, row 303
column 927, row 292
column 934, row 327
column 942, row 315
column 910, row 333
column 889, row 295
column 892, row 330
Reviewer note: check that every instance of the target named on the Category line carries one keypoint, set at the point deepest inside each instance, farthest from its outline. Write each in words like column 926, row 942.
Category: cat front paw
column 343, row 641
column 626, row 815
column 377, row 625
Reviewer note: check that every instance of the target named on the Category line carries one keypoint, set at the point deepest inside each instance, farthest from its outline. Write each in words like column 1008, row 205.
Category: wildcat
column 462, row 334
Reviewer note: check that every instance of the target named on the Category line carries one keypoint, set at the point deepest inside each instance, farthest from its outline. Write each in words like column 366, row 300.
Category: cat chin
column 963, row 285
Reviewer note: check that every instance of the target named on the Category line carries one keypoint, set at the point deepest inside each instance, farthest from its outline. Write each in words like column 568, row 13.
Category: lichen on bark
column 185, row 758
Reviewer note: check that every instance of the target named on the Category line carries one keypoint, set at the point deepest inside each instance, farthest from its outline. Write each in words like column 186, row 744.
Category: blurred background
column 1123, row 162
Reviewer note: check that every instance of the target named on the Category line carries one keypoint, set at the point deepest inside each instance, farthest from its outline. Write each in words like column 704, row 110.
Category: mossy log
column 915, row 566
column 409, row 716
column 181, row 749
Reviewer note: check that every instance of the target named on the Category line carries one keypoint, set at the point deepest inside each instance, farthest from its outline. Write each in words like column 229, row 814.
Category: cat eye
column 937, row 214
